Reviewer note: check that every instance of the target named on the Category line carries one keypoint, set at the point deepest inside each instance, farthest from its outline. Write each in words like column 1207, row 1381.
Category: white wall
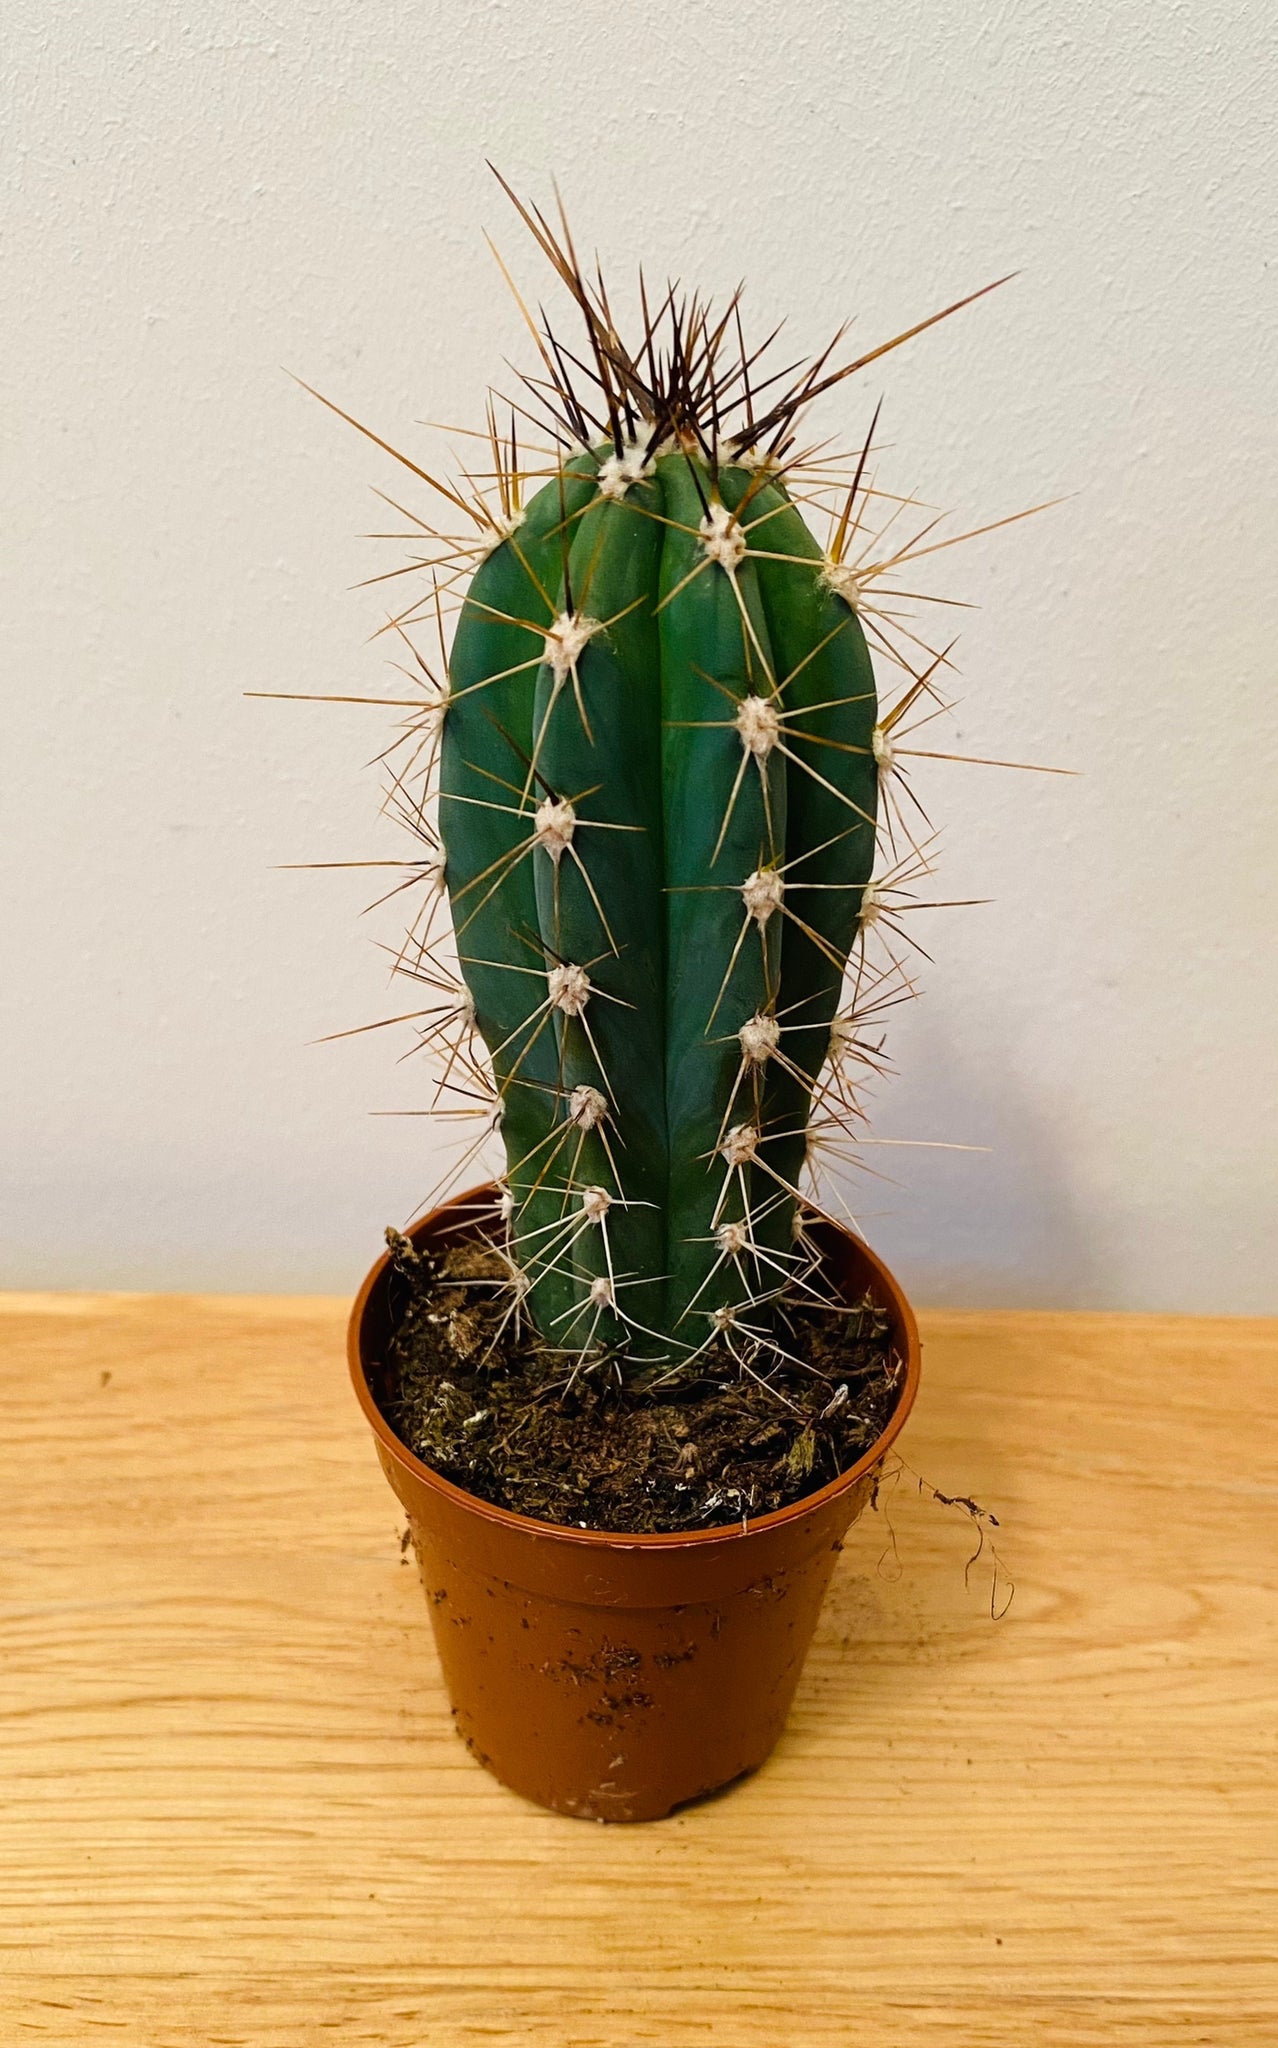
column 195, row 196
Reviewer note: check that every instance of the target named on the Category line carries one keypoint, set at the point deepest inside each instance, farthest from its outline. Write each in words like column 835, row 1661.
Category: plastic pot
column 618, row 1677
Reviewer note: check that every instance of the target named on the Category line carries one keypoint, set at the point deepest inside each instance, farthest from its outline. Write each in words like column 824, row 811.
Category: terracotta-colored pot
column 617, row 1677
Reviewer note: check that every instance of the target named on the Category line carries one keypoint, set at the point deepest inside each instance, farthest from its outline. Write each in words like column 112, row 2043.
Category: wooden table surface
column 234, row 1810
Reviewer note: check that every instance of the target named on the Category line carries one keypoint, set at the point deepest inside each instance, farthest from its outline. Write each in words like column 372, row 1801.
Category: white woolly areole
column 723, row 1318
column 846, row 582
column 618, row 472
column 842, row 1038
column 587, row 1107
column 762, row 893
column 601, row 1293
column 751, row 458
column 722, row 538
column 595, row 1204
column 565, row 640
column 433, row 868
column 434, row 713
column 553, row 826
column 568, row 988
column 882, row 749
column 506, row 1205
column 740, row 1145
column 732, row 1238
column 504, row 524
column 466, row 1008
column 759, row 1040
column 872, row 904
column 759, row 724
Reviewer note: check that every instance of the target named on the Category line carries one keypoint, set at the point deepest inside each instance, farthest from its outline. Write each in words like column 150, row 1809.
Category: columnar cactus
column 658, row 797
column 658, row 804
column 660, row 764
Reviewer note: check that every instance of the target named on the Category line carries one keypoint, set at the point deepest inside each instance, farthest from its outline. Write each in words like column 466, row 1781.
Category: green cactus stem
column 659, row 786
column 659, row 816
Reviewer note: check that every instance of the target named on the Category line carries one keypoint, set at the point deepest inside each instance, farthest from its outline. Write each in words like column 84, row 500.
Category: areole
column 615, row 1677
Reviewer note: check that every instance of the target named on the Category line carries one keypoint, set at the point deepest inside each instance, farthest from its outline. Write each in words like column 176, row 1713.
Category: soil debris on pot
column 492, row 1408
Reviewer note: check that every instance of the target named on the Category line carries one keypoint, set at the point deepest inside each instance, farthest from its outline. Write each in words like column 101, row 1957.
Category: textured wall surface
column 194, row 197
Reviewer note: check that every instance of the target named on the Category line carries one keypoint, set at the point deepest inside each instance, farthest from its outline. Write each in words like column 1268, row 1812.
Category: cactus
column 658, row 799
column 660, row 762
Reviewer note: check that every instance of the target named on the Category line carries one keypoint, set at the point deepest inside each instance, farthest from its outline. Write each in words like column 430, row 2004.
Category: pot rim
column 596, row 1539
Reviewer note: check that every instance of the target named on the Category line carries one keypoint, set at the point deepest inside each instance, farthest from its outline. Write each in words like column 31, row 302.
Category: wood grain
column 234, row 1810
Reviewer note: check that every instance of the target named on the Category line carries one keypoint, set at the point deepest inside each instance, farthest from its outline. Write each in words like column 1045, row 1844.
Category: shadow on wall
column 994, row 1229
